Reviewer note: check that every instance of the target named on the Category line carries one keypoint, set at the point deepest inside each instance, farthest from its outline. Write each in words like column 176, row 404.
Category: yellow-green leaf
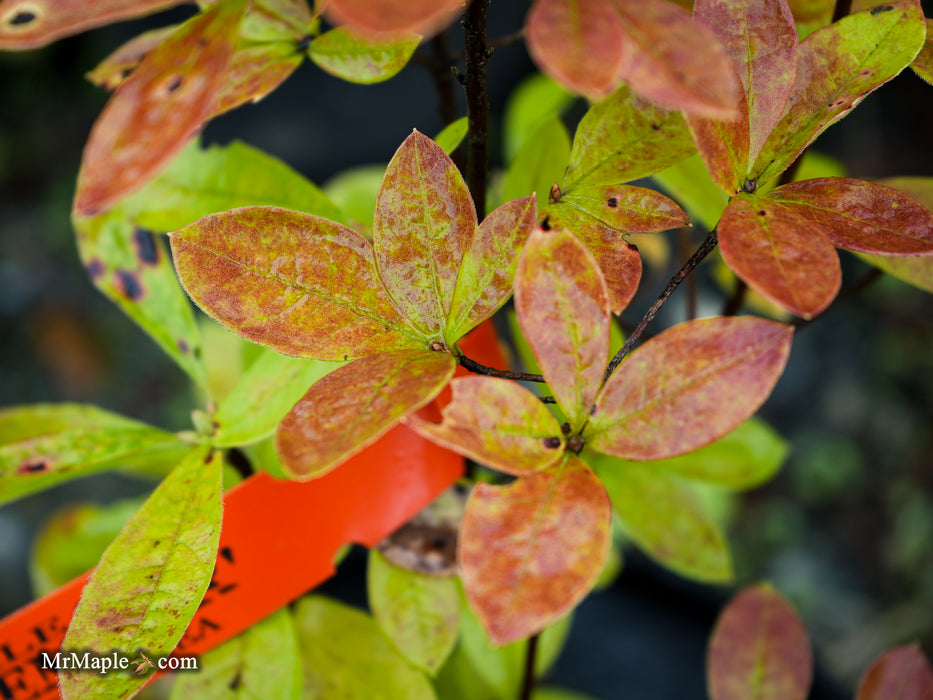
column 359, row 59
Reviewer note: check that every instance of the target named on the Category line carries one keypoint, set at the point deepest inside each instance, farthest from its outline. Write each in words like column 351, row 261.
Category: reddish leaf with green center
column 354, row 405
column 158, row 108
column 780, row 254
column 688, row 386
column 529, row 551
column 498, row 423
column 759, row 649
column 394, row 17
column 27, row 24
column 903, row 673
column 563, row 308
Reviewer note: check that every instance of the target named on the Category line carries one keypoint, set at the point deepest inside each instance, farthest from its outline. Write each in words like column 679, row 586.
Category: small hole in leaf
column 34, row 467
column 656, row 127
column 546, row 224
column 613, row 202
column 438, row 541
column 183, row 347
column 551, row 443
column 632, row 247
column 95, row 268
column 129, row 285
column 146, row 249
column 881, row 8
column 22, row 18
column 762, row 213
column 173, row 84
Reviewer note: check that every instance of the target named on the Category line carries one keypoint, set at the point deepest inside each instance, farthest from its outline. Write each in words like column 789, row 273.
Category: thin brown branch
column 478, row 368
column 531, row 653
column 706, row 247
column 477, row 61
column 683, row 236
column 736, row 299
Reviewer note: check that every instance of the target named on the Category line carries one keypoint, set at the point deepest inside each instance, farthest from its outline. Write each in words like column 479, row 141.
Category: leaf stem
column 474, row 83
column 684, row 236
column 478, row 368
column 706, row 247
column 531, row 652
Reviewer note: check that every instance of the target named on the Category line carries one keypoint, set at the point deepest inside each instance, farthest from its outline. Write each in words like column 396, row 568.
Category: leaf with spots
column 29, row 24
column 780, row 254
column 484, row 281
column 903, row 673
column 563, row 308
column 358, row 59
column 344, row 655
column 131, row 267
column 255, row 70
column 43, row 445
column 923, row 63
column 149, row 582
column 688, row 387
column 158, row 108
column 837, row 66
column 861, row 216
column 531, row 550
column 759, row 649
column 497, row 423
column 293, row 282
column 423, row 227
column 114, row 69
column 354, row 405
column 420, row 614
column 394, row 17
column 664, row 517
column 262, row 662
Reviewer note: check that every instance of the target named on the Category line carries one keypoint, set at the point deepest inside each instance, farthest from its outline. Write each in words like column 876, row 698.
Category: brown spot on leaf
column 183, row 346
column 565, row 428
column 156, row 543
column 34, row 466
column 173, row 84
column 22, row 18
column 546, row 224
column 552, row 443
column 762, row 213
column 227, row 554
column 613, row 202
column 656, row 127
column 575, row 444
column 129, row 285
column 95, row 268
column 632, row 246
column 235, row 681
column 881, row 8
column 146, row 249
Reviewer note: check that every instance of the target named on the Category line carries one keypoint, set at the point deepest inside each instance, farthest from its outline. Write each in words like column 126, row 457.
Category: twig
column 477, row 368
column 684, row 237
column 736, row 299
column 438, row 61
column 531, row 652
column 477, row 61
column 706, row 247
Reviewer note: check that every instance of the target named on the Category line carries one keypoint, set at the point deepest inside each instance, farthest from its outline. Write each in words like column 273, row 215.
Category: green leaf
column 420, row 614
column 423, row 227
column 255, row 70
column 157, row 109
column 453, row 134
column 263, row 396
column 704, row 378
column 662, row 515
column 531, row 550
column 72, row 540
column 759, row 649
column 354, row 405
column 484, row 282
column 132, row 268
column 44, row 445
column 278, row 277
column 551, row 693
column 563, row 308
column 904, row 673
column 149, row 582
column 748, row 456
column 690, row 183
column 497, row 423
column 539, row 163
column 201, row 181
column 923, row 63
column 262, row 662
column 535, row 100
column 357, row 59
column 837, row 66
column 346, row 656
column 277, row 21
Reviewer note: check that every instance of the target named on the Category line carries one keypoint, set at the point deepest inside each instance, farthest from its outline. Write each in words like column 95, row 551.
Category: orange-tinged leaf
column 293, row 282
column 563, row 308
column 760, row 38
column 676, row 62
column 923, row 63
column 529, row 551
column 626, row 208
column 903, row 673
column 423, row 226
column 579, row 43
column 484, row 281
column 688, row 386
column 354, row 405
column 114, row 69
column 254, row 72
column 780, row 254
column 157, row 109
column 498, row 423
column 759, row 649
column 394, row 16
column 28, row 24
column 723, row 145
column 861, row 216
column 837, row 66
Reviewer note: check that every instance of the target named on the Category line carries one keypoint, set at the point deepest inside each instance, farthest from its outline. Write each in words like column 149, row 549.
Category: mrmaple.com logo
column 142, row 664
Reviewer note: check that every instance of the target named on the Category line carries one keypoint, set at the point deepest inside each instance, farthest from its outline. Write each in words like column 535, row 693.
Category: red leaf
column 530, row 551
column 355, row 404
column 579, row 43
column 394, row 16
column 27, row 24
column 114, row 69
column 723, row 145
column 157, row 109
column 563, row 308
column 688, row 387
column 780, row 254
column 497, row 423
column 861, row 216
column 903, row 673
column 759, row 649
column 293, row 282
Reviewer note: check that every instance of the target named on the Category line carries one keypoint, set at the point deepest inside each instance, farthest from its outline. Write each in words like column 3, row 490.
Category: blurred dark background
column 845, row 530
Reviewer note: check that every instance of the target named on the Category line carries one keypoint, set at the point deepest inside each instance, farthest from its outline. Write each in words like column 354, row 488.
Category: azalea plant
column 374, row 321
